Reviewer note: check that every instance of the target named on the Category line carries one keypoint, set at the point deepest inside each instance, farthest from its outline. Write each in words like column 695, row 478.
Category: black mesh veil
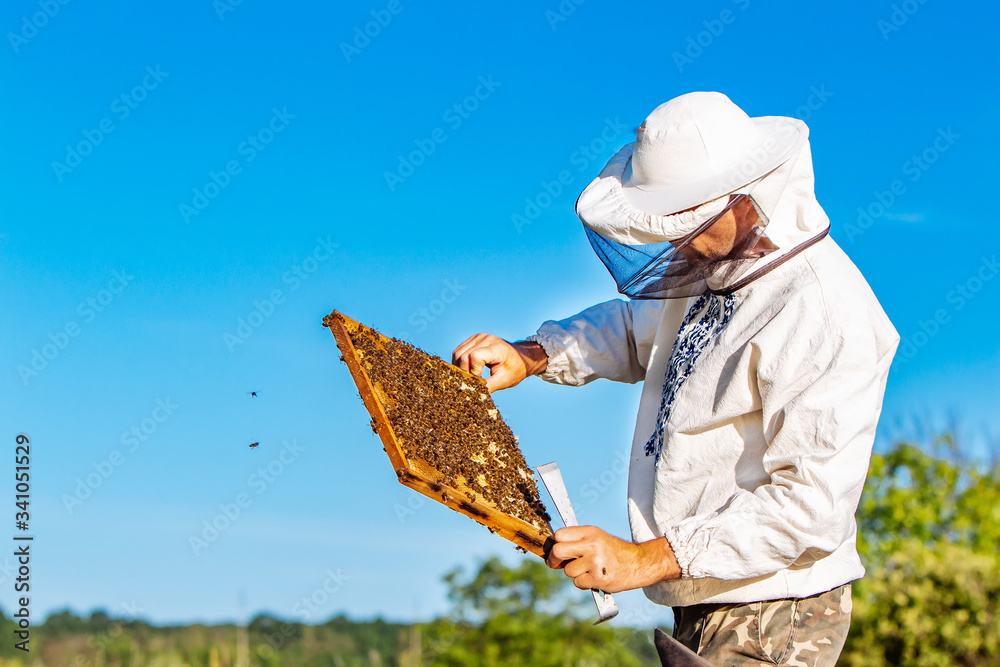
column 717, row 253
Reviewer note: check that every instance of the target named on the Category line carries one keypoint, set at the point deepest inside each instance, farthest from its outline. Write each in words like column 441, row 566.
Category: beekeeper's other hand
column 509, row 363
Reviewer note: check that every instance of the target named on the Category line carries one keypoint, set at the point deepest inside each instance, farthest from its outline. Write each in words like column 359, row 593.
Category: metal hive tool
column 553, row 481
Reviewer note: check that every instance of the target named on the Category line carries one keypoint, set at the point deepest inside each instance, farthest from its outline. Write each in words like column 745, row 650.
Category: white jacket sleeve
column 611, row 340
column 821, row 394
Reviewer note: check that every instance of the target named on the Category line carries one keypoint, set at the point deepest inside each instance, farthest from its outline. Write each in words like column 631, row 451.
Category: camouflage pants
column 798, row 632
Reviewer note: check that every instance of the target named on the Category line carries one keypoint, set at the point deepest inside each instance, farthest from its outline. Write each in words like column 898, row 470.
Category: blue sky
column 191, row 187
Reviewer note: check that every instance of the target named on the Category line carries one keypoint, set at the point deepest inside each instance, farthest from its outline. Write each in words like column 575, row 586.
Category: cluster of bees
column 448, row 419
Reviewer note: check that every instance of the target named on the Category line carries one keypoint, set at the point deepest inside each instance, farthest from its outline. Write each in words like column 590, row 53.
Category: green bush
column 929, row 534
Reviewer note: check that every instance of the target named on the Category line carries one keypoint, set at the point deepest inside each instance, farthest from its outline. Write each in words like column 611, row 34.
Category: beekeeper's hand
column 594, row 559
column 509, row 363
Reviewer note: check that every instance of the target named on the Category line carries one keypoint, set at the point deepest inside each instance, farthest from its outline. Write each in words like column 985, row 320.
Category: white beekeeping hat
column 699, row 159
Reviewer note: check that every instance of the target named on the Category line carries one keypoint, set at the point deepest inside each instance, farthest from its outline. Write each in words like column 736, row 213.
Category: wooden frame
column 417, row 474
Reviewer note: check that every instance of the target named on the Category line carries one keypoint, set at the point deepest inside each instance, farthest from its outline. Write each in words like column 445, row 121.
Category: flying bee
column 254, row 445
column 253, row 394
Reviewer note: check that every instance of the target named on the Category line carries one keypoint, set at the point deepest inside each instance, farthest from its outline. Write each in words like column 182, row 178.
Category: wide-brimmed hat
column 688, row 152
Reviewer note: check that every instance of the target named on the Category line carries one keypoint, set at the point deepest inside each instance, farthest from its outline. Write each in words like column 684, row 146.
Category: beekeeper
column 764, row 355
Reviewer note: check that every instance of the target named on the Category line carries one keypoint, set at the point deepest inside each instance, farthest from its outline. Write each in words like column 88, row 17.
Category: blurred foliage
column 503, row 616
column 522, row 616
column 67, row 640
column 929, row 533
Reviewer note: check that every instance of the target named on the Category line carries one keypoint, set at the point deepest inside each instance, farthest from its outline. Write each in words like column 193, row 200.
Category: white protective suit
column 767, row 446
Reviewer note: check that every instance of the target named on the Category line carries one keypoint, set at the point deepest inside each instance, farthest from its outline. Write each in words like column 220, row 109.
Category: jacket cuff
column 688, row 541
column 558, row 364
